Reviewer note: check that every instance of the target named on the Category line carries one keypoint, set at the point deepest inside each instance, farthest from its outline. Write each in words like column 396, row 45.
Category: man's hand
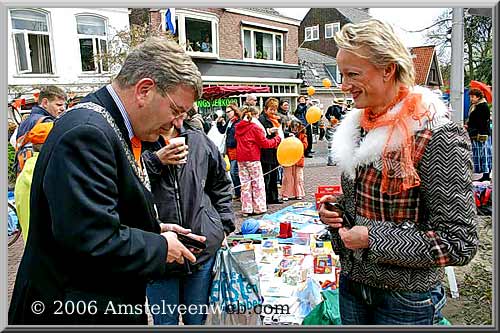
column 354, row 238
column 176, row 251
column 332, row 218
column 173, row 153
column 173, row 227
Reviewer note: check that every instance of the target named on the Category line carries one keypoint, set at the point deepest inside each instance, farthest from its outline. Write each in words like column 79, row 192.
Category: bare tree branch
column 432, row 25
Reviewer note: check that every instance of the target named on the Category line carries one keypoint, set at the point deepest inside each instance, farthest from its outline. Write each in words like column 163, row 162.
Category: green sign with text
column 221, row 102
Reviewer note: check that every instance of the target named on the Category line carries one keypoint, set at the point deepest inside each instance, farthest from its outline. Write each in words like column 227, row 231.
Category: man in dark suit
column 95, row 239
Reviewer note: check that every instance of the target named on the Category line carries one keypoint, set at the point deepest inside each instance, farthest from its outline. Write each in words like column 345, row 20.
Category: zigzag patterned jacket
column 414, row 234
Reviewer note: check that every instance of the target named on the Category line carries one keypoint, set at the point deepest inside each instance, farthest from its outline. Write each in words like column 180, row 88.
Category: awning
column 214, row 92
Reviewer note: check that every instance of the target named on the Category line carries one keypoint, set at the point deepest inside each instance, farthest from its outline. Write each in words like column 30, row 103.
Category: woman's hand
column 354, row 238
column 332, row 218
column 173, row 153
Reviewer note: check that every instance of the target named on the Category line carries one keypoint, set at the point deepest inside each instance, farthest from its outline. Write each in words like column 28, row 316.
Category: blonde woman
column 272, row 124
column 408, row 209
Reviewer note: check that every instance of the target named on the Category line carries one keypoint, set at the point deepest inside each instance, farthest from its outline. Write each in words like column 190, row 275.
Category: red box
column 329, row 189
column 326, row 190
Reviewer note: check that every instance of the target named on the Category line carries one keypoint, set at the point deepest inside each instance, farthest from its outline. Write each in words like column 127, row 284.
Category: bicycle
column 16, row 234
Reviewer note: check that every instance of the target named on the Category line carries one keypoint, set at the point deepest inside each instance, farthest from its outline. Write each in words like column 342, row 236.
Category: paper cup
column 178, row 139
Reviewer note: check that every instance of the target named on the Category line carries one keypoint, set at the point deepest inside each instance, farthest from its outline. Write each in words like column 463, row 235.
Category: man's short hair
column 164, row 61
column 51, row 93
column 251, row 97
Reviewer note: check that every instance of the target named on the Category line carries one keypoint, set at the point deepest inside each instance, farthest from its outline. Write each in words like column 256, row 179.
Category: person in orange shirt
column 36, row 136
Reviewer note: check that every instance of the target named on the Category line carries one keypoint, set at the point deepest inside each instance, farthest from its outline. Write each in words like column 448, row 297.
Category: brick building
column 320, row 25
column 239, row 46
column 427, row 70
column 318, row 49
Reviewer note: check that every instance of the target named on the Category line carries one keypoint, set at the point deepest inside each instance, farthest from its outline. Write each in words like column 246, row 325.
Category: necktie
column 136, row 149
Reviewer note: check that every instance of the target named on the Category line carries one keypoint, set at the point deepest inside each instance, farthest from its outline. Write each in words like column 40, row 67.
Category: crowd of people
column 128, row 172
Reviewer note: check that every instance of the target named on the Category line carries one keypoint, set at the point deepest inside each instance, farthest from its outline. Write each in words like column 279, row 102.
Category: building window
column 93, row 42
column 31, row 37
column 334, row 73
column 331, row 29
column 262, row 45
column 432, row 75
column 312, row 33
column 197, row 32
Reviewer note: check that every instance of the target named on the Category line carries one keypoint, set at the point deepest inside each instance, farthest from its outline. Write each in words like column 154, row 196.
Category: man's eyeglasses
column 178, row 112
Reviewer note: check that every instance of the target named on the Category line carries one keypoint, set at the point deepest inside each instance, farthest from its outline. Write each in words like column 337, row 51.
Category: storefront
column 280, row 78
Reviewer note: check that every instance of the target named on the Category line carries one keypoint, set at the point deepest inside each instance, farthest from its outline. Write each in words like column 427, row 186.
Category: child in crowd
column 250, row 139
column 293, row 176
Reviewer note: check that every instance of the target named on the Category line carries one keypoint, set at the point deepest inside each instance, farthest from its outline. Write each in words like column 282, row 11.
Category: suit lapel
column 103, row 98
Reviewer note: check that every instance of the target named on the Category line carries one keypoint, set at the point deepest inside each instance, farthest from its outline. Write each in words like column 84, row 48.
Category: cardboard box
column 323, row 190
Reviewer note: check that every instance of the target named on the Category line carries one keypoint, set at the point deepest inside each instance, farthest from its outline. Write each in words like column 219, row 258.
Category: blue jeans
column 280, row 175
column 235, row 177
column 364, row 305
column 170, row 292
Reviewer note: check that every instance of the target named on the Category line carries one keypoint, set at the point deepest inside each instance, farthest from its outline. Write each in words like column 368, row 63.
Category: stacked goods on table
column 294, row 266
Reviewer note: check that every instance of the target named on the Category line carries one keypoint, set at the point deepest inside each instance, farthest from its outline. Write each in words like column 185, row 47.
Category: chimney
column 367, row 10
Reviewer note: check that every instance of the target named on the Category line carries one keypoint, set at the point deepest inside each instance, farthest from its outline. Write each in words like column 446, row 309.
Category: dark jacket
column 479, row 120
column 300, row 113
column 268, row 155
column 37, row 112
column 229, row 128
column 203, row 186
column 333, row 111
column 93, row 234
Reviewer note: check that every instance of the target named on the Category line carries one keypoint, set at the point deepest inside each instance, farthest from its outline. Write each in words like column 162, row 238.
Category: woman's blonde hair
column 271, row 102
column 248, row 112
column 382, row 44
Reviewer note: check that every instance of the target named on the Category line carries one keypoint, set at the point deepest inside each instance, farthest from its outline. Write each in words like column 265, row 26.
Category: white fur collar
column 348, row 154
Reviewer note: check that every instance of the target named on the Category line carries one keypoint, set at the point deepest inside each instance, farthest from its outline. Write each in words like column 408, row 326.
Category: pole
column 457, row 66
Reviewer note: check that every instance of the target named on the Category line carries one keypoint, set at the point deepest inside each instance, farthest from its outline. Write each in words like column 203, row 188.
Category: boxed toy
column 323, row 190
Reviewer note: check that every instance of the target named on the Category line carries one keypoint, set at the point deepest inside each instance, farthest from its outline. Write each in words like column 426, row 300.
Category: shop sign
column 221, row 102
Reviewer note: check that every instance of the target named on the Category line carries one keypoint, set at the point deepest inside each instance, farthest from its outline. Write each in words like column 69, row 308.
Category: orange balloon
column 327, row 83
column 290, row 151
column 310, row 90
column 313, row 115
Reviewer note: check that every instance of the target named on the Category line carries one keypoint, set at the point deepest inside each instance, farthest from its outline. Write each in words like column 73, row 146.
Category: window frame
column 96, row 46
column 333, row 25
column 312, row 29
column 27, row 50
column 180, row 30
column 252, row 45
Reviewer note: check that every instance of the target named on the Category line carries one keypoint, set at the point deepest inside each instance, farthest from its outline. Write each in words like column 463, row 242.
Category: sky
column 401, row 18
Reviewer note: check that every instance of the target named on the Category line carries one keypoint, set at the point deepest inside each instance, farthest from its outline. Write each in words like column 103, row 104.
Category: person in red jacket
column 293, row 176
column 251, row 139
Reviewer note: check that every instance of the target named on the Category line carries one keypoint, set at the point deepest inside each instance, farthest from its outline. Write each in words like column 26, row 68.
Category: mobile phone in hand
column 191, row 243
column 348, row 221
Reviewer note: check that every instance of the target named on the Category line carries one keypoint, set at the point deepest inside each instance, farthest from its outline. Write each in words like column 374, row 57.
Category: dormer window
column 331, row 29
column 312, row 33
